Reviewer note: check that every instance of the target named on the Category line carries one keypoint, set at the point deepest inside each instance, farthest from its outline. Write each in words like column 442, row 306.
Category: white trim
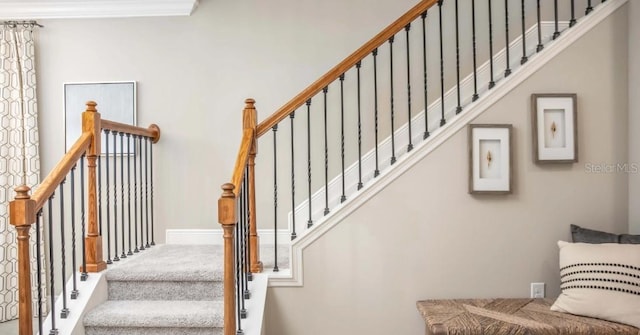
column 214, row 236
column 254, row 323
column 92, row 292
column 439, row 136
column 25, row 10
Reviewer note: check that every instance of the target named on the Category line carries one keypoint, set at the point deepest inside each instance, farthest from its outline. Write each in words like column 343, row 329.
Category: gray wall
column 634, row 115
column 424, row 237
column 194, row 72
column 193, row 75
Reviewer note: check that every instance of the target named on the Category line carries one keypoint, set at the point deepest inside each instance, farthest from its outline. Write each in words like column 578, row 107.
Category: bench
column 510, row 316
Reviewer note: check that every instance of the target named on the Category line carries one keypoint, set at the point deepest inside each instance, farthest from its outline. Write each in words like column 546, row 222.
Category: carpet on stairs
column 166, row 289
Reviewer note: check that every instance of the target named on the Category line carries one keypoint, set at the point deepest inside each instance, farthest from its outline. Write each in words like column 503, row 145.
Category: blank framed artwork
column 116, row 102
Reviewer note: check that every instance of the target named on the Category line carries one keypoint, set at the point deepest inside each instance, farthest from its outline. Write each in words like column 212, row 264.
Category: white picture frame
column 116, row 101
column 490, row 158
column 555, row 128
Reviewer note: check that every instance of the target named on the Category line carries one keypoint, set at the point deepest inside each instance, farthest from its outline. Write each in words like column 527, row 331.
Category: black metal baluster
column 108, row 186
column 99, row 163
column 573, row 21
column 130, row 252
column 475, row 60
column 248, row 276
column 507, row 71
column 589, row 8
column 375, row 99
column 556, row 33
column 151, row 188
column 74, row 291
column 242, row 313
column 115, row 196
column 124, row 254
column 343, row 197
column 84, row 275
column 146, row 187
column 247, row 238
column 540, row 45
column 310, row 220
column 393, row 128
column 459, row 106
column 135, row 197
column 524, row 58
column 39, row 269
column 358, row 65
column 275, row 198
column 492, row 82
column 52, row 284
column 407, row 28
column 326, row 154
column 65, row 311
column 443, row 121
column 141, row 195
column 424, row 65
column 293, row 181
column 240, row 252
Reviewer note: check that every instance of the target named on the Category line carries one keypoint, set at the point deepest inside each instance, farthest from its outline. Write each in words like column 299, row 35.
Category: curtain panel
column 19, row 156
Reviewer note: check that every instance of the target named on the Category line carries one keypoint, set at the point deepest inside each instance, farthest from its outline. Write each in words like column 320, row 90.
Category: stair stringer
column 295, row 276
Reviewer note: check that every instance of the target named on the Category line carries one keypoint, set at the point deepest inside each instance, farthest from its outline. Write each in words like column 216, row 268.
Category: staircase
column 178, row 289
column 162, row 292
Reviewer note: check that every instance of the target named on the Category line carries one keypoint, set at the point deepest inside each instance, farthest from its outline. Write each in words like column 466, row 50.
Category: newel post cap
column 22, row 192
column 91, row 106
column 249, row 103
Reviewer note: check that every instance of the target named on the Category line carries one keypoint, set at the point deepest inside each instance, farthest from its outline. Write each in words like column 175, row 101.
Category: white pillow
column 600, row 281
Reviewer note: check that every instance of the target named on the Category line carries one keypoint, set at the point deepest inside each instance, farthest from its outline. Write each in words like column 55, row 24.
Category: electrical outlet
column 537, row 290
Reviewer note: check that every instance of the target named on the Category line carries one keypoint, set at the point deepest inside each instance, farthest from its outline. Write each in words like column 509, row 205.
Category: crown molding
column 66, row 9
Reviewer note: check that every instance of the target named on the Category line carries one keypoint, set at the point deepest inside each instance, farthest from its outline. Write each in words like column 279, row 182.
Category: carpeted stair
column 167, row 289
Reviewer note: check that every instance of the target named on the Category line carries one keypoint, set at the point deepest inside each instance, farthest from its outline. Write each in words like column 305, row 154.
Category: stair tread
column 171, row 262
column 144, row 313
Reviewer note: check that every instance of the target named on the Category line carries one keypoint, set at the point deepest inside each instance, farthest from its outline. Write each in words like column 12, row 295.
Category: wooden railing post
column 22, row 214
column 93, row 240
column 227, row 218
column 250, row 121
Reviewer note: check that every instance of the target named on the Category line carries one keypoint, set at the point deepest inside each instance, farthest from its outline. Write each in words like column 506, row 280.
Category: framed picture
column 490, row 158
column 116, row 102
column 555, row 131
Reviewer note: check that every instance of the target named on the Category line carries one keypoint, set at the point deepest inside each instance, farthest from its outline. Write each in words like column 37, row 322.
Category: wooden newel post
column 93, row 240
column 22, row 214
column 250, row 121
column 227, row 218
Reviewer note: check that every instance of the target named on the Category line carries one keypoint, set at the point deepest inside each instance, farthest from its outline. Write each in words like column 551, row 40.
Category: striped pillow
column 600, row 281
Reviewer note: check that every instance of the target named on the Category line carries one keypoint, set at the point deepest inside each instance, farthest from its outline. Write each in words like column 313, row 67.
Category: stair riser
column 165, row 290
column 151, row 331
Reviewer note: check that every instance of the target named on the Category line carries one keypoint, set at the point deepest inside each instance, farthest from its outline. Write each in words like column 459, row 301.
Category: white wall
column 634, row 115
column 425, row 237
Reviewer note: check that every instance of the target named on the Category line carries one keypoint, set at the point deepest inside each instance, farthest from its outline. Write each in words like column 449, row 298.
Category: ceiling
column 69, row 9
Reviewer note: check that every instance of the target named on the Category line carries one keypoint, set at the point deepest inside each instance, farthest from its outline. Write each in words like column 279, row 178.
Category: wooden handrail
column 344, row 66
column 152, row 132
column 242, row 158
column 55, row 177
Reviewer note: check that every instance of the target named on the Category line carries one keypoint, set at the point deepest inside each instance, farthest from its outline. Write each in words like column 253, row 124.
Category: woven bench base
column 510, row 316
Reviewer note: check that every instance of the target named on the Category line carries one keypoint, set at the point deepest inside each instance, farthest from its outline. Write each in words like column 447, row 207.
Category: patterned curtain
column 19, row 157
